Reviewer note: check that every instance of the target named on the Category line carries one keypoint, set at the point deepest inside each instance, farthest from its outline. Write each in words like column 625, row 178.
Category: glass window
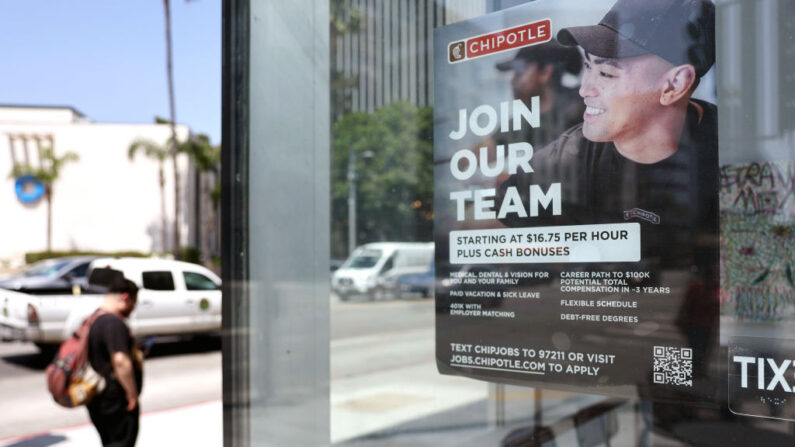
column 364, row 259
column 103, row 277
column 79, row 271
column 158, row 281
column 707, row 301
column 47, row 268
column 197, row 281
column 388, row 264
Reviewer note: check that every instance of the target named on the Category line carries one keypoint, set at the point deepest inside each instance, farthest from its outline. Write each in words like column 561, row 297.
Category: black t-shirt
column 674, row 200
column 110, row 334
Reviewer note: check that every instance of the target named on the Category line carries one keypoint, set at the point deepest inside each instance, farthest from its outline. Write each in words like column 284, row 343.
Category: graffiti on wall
column 757, row 203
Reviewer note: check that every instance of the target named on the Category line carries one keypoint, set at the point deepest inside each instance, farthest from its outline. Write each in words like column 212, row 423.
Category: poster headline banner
column 573, row 243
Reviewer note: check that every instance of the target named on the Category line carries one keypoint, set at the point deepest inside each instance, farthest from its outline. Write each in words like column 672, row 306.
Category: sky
column 107, row 59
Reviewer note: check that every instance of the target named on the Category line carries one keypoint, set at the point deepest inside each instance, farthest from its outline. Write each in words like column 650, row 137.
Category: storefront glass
column 425, row 246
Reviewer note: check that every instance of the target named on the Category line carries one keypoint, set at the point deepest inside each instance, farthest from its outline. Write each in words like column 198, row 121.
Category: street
column 176, row 374
column 180, row 373
column 383, row 375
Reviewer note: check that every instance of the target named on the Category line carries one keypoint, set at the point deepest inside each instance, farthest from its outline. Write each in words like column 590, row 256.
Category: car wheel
column 379, row 294
column 426, row 293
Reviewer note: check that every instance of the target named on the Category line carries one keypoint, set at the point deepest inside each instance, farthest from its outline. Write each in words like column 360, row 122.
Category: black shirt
column 110, row 334
column 675, row 200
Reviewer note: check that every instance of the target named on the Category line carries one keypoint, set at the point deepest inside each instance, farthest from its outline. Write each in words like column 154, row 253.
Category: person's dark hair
column 121, row 284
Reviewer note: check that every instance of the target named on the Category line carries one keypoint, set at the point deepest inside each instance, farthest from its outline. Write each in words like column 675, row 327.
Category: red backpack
column 70, row 378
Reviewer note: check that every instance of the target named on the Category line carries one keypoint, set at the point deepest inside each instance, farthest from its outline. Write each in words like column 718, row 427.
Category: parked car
column 421, row 283
column 387, row 287
column 51, row 276
column 175, row 298
column 370, row 266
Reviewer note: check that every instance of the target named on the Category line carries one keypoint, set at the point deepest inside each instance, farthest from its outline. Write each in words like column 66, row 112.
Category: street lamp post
column 352, row 198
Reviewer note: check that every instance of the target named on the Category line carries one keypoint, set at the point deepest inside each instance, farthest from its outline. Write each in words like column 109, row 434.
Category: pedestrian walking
column 115, row 412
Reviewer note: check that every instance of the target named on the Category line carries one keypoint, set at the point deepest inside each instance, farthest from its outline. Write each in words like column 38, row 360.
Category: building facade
column 102, row 201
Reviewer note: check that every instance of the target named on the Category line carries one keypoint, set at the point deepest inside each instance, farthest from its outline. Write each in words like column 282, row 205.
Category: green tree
column 205, row 158
column 158, row 153
column 395, row 184
column 48, row 172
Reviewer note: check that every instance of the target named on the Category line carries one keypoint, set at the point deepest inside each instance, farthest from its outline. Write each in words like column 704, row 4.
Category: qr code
column 673, row 366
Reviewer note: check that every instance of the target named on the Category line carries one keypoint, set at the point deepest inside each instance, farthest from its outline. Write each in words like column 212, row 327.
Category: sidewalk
column 194, row 425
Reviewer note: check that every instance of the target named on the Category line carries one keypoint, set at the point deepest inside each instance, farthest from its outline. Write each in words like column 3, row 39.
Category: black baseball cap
column 679, row 31
column 548, row 53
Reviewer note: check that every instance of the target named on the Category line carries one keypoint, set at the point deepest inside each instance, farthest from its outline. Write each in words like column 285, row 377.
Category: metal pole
column 351, row 202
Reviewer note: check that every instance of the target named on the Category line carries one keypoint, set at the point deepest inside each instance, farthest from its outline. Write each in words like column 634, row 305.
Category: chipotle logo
column 499, row 41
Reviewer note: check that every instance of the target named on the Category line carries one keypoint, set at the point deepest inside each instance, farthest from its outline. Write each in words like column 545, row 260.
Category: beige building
column 104, row 201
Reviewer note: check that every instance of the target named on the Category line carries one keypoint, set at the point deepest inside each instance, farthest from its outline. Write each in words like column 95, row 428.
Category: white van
column 365, row 269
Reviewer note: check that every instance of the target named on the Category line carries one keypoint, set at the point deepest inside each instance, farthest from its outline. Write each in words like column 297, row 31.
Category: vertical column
column 359, row 52
column 380, row 31
column 288, row 223
column 234, row 224
column 422, row 51
column 413, row 45
column 371, row 56
column 348, row 58
column 404, row 45
column 767, row 65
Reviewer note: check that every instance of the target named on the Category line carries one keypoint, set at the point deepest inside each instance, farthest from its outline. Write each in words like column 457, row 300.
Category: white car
column 50, row 276
column 175, row 298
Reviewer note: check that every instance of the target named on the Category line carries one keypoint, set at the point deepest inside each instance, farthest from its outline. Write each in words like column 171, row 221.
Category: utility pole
column 352, row 197
column 351, row 202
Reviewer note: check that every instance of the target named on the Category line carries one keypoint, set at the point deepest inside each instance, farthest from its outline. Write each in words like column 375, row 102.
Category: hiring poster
column 576, row 198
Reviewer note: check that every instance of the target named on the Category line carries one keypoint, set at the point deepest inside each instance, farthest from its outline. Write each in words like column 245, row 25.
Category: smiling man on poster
column 642, row 63
column 645, row 152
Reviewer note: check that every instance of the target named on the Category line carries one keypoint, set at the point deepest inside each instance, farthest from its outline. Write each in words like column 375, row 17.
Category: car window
column 197, row 281
column 79, row 271
column 363, row 259
column 103, row 277
column 158, row 281
column 388, row 264
column 48, row 268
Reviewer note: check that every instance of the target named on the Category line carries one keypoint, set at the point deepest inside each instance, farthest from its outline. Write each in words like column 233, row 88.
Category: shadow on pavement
column 34, row 360
column 39, row 441
column 167, row 347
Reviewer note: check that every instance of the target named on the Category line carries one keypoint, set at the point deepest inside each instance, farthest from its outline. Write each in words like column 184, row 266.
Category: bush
column 190, row 254
column 36, row 256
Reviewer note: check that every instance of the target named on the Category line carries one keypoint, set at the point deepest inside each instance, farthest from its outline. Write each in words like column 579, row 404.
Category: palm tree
column 158, row 153
column 172, row 123
column 47, row 173
column 205, row 158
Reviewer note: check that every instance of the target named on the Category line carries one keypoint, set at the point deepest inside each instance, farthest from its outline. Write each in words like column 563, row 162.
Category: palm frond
column 150, row 149
column 199, row 149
